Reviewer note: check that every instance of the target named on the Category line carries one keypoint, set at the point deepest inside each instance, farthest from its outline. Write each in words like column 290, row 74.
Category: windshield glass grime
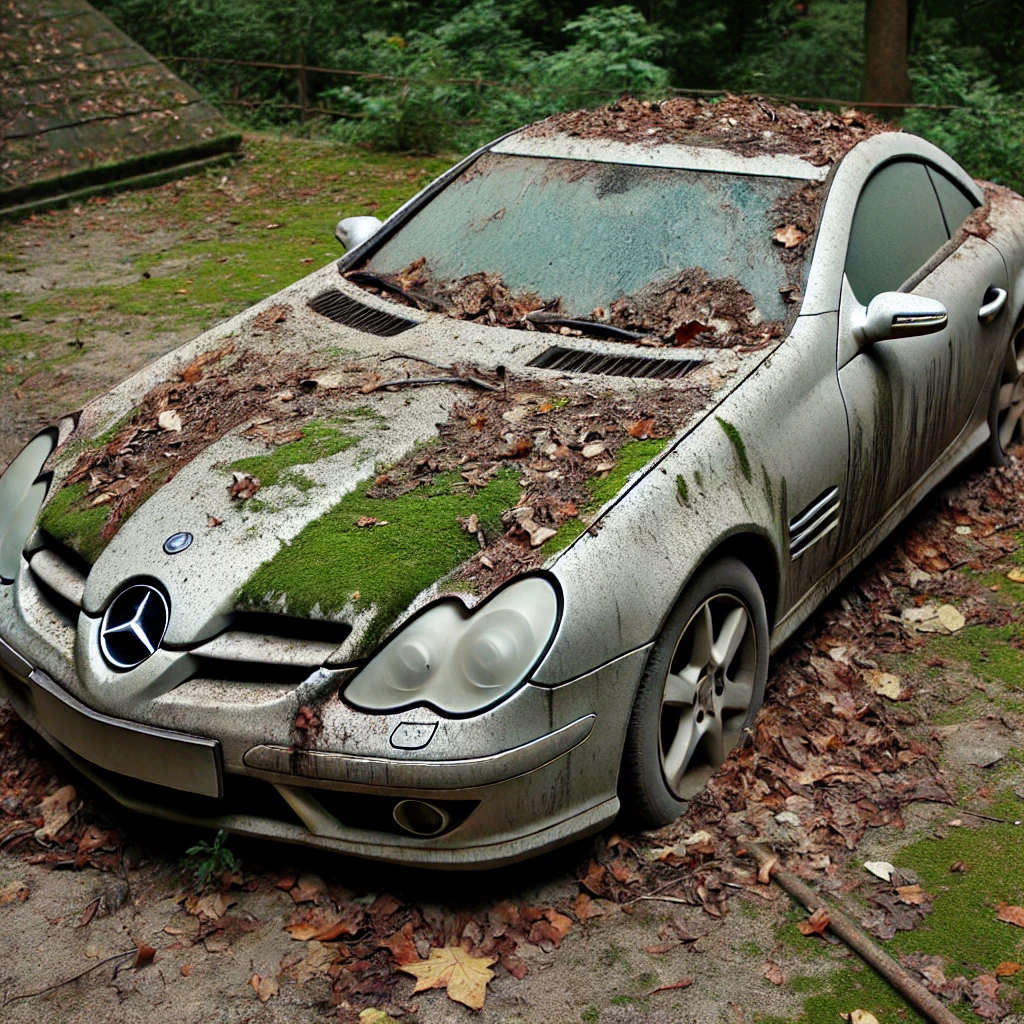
column 660, row 251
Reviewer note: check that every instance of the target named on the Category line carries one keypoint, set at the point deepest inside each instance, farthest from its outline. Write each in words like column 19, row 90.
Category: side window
column 954, row 201
column 897, row 227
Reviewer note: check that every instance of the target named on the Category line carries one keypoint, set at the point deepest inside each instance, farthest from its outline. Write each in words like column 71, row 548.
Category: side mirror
column 898, row 315
column 353, row 231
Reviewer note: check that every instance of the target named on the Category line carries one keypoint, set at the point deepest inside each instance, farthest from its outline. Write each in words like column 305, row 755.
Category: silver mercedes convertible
column 459, row 548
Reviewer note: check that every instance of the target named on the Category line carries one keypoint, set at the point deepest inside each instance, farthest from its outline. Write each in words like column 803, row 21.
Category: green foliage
column 987, row 134
column 209, row 861
column 452, row 75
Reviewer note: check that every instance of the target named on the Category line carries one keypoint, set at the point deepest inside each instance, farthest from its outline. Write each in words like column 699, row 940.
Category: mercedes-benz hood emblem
column 133, row 626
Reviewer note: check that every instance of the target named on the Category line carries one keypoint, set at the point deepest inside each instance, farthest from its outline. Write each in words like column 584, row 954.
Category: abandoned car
column 456, row 549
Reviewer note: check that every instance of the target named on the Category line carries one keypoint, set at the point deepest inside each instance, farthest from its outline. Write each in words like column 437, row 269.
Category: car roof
column 695, row 158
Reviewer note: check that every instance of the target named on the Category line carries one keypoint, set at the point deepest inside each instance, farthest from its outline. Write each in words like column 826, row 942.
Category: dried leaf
column 272, row 315
column 464, row 977
column 860, row 1017
column 913, row 895
column 375, row 1016
column 1011, row 915
column 764, row 872
column 789, row 236
column 1017, row 575
column 13, row 891
column 592, row 450
column 641, row 429
column 685, row 333
column 773, row 973
column 143, row 956
column 243, row 486
column 56, row 812
column 950, row 618
column 815, row 924
column 883, row 683
column 1008, row 968
column 169, row 420
column 880, row 869
column 265, row 987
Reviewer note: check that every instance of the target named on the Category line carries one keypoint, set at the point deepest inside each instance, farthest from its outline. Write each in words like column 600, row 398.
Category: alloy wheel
column 707, row 693
column 1011, row 393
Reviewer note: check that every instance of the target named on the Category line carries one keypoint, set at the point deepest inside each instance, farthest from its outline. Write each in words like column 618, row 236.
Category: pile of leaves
column 689, row 308
column 563, row 442
column 747, row 125
column 173, row 423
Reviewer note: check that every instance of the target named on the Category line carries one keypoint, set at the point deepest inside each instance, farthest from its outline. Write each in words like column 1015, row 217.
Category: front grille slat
column 571, row 360
column 343, row 309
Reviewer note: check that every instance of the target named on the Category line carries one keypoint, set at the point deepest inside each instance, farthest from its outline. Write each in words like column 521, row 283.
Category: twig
column 988, row 817
column 685, row 983
column 653, row 892
column 68, row 981
column 857, row 939
column 662, row 899
column 473, row 382
column 415, row 359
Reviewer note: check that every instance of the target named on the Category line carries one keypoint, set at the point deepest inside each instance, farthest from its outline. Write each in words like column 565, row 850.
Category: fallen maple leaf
column 265, row 987
column 464, row 977
column 1011, row 915
column 815, row 924
column 790, row 236
column 1007, row 969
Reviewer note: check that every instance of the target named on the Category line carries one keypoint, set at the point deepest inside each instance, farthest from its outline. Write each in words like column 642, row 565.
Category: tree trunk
column 886, row 32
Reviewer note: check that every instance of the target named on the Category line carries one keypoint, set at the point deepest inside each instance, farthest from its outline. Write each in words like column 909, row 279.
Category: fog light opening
column 420, row 818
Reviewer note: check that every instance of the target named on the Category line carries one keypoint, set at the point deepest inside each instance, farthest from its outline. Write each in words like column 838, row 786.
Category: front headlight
column 23, row 488
column 461, row 661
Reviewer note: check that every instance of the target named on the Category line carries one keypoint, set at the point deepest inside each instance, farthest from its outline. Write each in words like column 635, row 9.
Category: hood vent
column 573, row 360
column 821, row 517
column 343, row 309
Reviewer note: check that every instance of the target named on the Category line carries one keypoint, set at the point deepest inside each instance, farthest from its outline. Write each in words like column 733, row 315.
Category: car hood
column 314, row 487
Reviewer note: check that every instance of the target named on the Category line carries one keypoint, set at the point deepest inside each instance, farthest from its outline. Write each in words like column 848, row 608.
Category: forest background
column 436, row 76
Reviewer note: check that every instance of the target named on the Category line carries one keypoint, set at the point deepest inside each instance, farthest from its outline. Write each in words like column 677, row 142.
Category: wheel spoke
column 1006, row 395
column 736, row 696
column 679, row 755
column 713, row 741
column 730, row 636
column 1009, row 425
column 703, row 637
column 681, row 687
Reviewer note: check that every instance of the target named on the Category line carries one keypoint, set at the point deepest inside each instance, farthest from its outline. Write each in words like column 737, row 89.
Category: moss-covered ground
column 89, row 294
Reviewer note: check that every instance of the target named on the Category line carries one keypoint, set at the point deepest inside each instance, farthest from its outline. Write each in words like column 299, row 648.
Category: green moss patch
column 78, row 528
column 737, row 442
column 631, row 457
column 334, row 562
column 318, row 441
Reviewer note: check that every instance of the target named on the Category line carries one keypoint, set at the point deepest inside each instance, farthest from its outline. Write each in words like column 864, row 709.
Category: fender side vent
column 343, row 309
column 821, row 517
column 571, row 360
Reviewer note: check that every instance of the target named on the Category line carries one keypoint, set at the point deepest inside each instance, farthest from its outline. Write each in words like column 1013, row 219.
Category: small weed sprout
column 209, row 861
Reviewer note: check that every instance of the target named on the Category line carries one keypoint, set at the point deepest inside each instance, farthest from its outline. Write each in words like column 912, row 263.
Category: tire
column 1007, row 405
column 677, row 701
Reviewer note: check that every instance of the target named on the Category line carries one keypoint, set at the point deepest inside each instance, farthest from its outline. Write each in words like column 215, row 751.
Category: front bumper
column 507, row 804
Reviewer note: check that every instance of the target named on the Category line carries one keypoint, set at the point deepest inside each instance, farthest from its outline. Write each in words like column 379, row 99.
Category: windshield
column 581, row 236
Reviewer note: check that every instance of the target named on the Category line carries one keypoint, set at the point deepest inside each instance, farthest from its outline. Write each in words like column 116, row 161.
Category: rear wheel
column 702, row 687
column 1007, row 409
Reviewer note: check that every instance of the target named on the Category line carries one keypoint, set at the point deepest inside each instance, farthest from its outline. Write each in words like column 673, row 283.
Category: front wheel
column 701, row 689
column 1007, row 408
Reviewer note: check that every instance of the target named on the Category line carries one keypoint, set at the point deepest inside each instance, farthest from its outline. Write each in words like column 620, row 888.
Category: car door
column 910, row 398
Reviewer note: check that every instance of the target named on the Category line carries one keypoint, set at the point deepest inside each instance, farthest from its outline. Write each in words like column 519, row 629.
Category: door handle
column 990, row 310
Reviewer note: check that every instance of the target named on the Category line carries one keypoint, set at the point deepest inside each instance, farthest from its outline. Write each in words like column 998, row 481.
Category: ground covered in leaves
column 884, row 769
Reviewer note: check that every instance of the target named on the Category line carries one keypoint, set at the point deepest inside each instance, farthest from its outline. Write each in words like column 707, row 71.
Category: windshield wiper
column 586, row 326
column 376, row 281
